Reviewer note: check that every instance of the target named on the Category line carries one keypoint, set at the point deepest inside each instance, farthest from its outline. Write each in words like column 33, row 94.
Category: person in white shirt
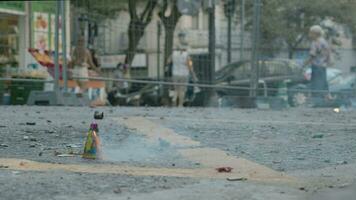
column 182, row 68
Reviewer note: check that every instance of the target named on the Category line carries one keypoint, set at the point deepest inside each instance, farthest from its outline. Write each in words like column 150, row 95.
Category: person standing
column 319, row 59
column 182, row 68
column 81, row 61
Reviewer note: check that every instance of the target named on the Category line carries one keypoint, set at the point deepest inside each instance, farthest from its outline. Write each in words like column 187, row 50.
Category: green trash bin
column 20, row 91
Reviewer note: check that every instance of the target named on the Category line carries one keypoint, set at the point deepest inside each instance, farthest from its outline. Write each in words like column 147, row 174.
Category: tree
column 137, row 26
column 289, row 21
column 169, row 22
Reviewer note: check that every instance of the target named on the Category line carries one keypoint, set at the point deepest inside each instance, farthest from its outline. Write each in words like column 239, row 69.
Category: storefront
column 25, row 25
column 12, row 35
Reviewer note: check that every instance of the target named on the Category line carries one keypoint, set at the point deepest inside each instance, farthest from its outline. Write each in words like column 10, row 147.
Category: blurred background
column 244, row 53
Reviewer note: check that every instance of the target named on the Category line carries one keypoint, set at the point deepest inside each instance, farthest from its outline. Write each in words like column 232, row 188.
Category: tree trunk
column 168, row 46
column 169, row 23
column 135, row 33
column 290, row 53
column 137, row 27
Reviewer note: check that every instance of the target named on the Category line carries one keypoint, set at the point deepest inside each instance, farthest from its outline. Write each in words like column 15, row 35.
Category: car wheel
column 298, row 98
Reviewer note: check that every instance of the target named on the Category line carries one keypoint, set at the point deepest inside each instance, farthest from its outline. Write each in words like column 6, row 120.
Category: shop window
column 9, row 41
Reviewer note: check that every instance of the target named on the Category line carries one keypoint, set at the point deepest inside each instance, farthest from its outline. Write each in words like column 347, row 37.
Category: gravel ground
column 298, row 142
column 281, row 146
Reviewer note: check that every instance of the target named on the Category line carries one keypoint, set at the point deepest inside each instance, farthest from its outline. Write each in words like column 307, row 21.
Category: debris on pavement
column 342, row 162
column 98, row 115
column 224, row 169
column 318, row 136
column 117, row 191
column 237, row 179
column 4, row 145
column 65, row 155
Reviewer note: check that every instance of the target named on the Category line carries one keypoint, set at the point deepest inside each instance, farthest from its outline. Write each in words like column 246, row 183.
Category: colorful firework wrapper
column 92, row 144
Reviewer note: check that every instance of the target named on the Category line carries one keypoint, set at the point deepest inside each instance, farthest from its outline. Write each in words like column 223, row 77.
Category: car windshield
column 342, row 80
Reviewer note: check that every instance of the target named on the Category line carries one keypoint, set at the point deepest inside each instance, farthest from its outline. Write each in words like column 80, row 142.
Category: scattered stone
column 40, row 154
column 66, row 155
column 49, row 131
column 73, row 146
column 342, row 163
column 117, row 191
column 33, row 139
column 49, row 121
column 237, row 179
column 224, row 169
column 173, row 165
column 318, row 136
column 4, row 166
column 4, row 145
column 32, row 145
column 30, row 123
column 302, row 189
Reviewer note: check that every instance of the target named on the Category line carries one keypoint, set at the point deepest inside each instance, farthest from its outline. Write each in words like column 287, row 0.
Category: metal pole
column 229, row 39
column 64, row 46
column 255, row 45
column 212, row 34
column 158, row 50
column 242, row 36
column 56, row 45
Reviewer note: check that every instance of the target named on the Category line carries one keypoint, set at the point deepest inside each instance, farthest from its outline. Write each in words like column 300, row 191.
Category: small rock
column 40, row 154
column 173, row 165
column 32, row 145
column 237, row 179
column 302, row 188
column 4, row 145
column 26, row 137
column 49, row 131
column 4, row 166
column 117, row 191
column 342, row 163
column 49, row 121
column 30, row 123
column 318, row 136
column 3, row 126
column 33, row 139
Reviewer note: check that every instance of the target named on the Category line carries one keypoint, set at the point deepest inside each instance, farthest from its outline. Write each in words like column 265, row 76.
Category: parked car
column 139, row 94
column 342, row 88
column 271, row 74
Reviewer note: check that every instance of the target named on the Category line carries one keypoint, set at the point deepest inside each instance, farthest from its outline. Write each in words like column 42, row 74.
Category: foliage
column 288, row 21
